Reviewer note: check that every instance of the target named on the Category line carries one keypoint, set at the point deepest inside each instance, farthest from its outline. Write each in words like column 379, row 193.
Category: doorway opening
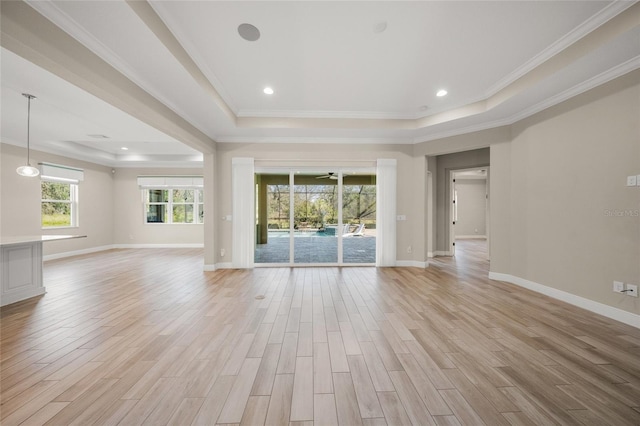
column 312, row 217
column 469, row 212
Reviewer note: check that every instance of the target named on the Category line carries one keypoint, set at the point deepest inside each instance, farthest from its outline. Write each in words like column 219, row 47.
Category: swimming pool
column 296, row 234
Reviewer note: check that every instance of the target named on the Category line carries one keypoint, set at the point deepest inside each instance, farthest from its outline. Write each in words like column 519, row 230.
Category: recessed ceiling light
column 124, row 148
column 248, row 32
column 441, row 93
column 268, row 91
column 380, row 27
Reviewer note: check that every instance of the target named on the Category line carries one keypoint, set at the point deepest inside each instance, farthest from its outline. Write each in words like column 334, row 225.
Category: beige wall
column 410, row 194
column 110, row 206
column 21, row 202
column 129, row 223
column 554, row 177
column 472, row 207
column 564, row 171
column 500, row 213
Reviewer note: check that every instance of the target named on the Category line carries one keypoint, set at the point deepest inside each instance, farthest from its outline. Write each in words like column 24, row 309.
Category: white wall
column 472, row 208
column 129, row 216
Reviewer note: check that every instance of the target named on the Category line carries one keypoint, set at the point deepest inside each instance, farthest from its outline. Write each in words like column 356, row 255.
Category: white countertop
column 7, row 241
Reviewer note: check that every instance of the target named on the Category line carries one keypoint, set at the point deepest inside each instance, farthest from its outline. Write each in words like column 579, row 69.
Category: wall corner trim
column 581, row 302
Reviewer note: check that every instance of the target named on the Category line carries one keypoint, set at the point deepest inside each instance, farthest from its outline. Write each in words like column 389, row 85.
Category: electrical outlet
column 618, row 286
column 222, row 252
column 632, row 180
column 632, row 290
column 409, row 249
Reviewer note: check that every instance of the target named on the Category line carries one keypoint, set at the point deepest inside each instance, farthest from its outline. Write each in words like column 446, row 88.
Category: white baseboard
column 412, row 264
column 224, row 265
column 18, row 296
column 471, row 237
column 209, row 268
column 590, row 305
column 442, row 253
column 77, row 252
column 430, row 254
column 137, row 246
column 116, row 246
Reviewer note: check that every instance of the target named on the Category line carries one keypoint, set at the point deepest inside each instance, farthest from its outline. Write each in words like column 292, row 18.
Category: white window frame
column 73, row 195
column 197, row 202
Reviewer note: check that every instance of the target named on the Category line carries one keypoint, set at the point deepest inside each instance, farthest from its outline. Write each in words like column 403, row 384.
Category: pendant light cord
column 28, row 170
column 28, row 128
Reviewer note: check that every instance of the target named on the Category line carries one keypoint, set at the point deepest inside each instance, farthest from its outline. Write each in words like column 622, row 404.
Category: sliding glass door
column 315, row 212
column 273, row 211
column 315, row 218
column 359, row 215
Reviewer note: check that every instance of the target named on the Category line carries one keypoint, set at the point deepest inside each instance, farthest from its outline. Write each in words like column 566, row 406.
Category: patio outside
column 315, row 219
column 316, row 249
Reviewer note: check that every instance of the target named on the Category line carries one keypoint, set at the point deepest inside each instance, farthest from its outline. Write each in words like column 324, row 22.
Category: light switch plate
column 632, row 180
column 618, row 286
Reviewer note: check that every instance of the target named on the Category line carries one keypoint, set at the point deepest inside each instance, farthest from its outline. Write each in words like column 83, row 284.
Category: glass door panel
column 272, row 218
column 315, row 218
column 359, row 215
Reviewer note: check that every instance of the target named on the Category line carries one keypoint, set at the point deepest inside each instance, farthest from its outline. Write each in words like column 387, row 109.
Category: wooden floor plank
column 132, row 336
column 302, row 401
column 239, row 395
column 365, row 391
column 324, row 410
column 346, row 401
column 256, row 411
column 279, row 409
column 394, row 412
column 322, row 378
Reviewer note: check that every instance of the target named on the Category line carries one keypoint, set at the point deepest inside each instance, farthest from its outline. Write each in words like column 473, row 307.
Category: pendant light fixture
column 28, row 170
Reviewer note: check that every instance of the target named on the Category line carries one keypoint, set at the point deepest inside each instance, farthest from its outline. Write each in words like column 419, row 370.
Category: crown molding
column 103, row 158
column 193, row 53
column 603, row 16
column 368, row 115
column 591, row 83
column 312, row 140
column 370, row 119
column 602, row 78
column 53, row 13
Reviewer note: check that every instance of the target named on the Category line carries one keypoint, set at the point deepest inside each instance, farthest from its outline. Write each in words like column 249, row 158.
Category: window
column 173, row 205
column 59, row 195
column 59, row 204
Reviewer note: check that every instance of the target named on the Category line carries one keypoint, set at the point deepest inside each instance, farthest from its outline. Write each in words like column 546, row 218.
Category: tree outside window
column 59, row 204
column 174, row 205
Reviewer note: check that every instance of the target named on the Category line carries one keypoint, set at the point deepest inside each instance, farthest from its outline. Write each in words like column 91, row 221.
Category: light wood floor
column 145, row 337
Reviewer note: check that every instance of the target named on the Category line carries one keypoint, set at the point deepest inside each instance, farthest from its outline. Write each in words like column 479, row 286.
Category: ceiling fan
column 329, row 175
